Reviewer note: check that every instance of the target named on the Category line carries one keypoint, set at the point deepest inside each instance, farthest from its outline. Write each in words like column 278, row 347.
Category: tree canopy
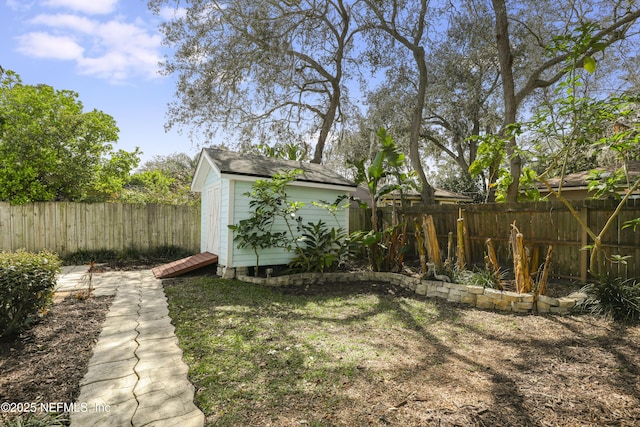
column 163, row 179
column 50, row 149
column 450, row 81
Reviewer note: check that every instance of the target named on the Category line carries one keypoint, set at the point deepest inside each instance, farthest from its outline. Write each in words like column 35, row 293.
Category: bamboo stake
column 524, row 260
column 493, row 261
column 460, row 248
column 420, row 245
column 450, row 253
column 520, row 261
column 431, row 240
column 534, row 264
column 542, row 284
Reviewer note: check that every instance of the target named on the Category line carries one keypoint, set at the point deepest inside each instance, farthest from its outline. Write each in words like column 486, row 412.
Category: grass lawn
column 371, row 354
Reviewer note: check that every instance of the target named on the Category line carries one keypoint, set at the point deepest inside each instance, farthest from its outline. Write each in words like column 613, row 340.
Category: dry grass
column 369, row 354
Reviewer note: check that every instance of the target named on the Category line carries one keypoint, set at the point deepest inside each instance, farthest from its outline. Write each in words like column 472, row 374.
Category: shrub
column 613, row 297
column 478, row 277
column 323, row 249
column 126, row 256
column 27, row 281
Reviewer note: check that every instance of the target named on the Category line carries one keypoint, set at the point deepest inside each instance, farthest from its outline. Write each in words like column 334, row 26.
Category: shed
column 224, row 177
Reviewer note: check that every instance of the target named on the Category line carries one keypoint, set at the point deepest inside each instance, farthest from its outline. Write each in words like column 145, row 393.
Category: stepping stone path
column 136, row 375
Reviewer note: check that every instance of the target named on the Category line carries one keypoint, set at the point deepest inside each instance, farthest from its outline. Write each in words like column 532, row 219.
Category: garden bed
column 476, row 296
column 46, row 363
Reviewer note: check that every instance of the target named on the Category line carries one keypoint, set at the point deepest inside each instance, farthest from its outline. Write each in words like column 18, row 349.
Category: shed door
column 213, row 219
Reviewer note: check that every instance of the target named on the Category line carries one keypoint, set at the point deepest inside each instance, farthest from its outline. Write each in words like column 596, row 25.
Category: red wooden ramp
column 184, row 265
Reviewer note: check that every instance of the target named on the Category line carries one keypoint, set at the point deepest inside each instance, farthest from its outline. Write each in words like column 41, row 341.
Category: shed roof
column 253, row 165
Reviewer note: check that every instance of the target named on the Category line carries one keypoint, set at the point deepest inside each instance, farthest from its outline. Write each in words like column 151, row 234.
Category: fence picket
column 542, row 224
column 65, row 227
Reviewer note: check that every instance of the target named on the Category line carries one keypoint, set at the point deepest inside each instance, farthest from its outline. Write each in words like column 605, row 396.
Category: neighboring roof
column 578, row 180
column 440, row 195
column 446, row 195
column 253, row 165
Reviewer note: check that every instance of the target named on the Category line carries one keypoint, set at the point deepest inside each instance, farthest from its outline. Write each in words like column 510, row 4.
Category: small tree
column 164, row 179
column 385, row 173
column 268, row 203
column 589, row 126
column 50, row 149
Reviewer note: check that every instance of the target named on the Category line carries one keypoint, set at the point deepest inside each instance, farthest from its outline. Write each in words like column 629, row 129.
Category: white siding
column 226, row 238
column 212, row 178
column 309, row 213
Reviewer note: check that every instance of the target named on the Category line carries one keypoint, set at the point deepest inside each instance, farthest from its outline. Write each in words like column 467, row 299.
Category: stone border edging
column 476, row 296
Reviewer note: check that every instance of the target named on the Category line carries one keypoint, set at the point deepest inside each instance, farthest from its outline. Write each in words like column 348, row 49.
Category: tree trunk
column 327, row 124
column 509, row 96
column 427, row 192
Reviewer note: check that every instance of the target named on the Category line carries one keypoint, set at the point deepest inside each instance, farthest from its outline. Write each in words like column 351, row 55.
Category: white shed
column 223, row 177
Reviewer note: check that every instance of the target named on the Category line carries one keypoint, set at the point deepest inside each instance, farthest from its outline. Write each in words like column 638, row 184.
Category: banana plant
column 384, row 174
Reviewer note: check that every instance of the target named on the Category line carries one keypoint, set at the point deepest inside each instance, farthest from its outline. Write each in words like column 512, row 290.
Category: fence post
column 584, row 241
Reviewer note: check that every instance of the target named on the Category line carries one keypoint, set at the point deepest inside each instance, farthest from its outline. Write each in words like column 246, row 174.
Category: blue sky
column 107, row 51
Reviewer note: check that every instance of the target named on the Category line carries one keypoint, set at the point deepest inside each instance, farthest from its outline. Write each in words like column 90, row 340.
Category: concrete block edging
column 476, row 296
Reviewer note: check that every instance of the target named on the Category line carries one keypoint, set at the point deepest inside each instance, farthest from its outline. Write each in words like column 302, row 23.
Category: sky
column 105, row 50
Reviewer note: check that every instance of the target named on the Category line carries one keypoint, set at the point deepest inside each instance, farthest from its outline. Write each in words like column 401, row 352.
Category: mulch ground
column 46, row 363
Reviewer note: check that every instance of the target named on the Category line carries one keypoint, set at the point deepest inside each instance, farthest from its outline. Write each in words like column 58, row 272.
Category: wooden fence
column 65, row 227
column 542, row 224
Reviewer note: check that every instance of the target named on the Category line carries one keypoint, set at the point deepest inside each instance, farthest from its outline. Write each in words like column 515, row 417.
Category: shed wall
column 309, row 213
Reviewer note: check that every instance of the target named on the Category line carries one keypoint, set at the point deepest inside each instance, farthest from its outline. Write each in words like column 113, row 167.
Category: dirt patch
column 47, row 362
column 450, row 365
column 482, row 368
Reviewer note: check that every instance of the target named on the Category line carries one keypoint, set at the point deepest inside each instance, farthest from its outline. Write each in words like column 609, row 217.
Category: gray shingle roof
column 229, row 162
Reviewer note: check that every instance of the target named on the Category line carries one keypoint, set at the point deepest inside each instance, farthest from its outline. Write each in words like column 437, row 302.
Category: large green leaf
column 590, row 64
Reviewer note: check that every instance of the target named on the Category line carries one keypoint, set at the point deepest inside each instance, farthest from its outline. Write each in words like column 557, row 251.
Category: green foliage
column 613, row 297
column 34, row 419
column 575, row 43
column 165, row 180
column 477, row 277
column 51, row 150
column 268, row 203
column 582, row 124
column 316, row 246
column 449, row 178
column 27, row 281
column 632, row 223
column 491, row 152
column 128, row 256
column 489, row 162
column 322, row 249
column 287, row 151
column 386, row 246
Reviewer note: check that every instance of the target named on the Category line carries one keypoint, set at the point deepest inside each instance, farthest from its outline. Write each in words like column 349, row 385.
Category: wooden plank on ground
column 184, row 265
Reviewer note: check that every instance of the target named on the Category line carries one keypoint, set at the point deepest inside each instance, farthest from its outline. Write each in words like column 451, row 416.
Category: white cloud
column 19, row 5
column 122, row 50
column 43, row 45
column 114, row 50
column 91, row 7
column 66, row 21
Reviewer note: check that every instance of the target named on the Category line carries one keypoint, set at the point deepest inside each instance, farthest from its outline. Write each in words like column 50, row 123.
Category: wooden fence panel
column 65, row 227
column 542, row 224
